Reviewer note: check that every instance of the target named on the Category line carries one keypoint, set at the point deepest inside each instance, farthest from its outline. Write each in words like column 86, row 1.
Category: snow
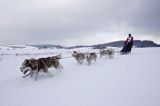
column 125, row 80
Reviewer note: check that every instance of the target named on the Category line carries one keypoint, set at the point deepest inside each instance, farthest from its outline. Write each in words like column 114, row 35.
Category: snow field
column 126, row 80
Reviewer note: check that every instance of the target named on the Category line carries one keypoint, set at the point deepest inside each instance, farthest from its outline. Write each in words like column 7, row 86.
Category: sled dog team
column 80, row 57
column 33, row 66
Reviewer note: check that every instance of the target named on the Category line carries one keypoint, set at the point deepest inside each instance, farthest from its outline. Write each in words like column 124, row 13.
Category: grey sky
column 72, row 22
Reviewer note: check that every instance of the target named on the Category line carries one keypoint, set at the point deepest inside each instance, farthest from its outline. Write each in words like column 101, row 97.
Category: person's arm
column 131, row 40
column 126, row 41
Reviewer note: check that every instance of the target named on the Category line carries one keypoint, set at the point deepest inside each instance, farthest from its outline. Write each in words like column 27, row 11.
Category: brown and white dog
column 107, row 53
column 34, row 66
column 80, row 57
column 90, row 57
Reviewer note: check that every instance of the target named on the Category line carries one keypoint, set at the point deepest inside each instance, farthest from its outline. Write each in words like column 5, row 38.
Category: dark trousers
column 126, row 48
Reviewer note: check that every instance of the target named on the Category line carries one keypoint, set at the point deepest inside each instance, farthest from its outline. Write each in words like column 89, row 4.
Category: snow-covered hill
column 16, row 47
column 126, row 80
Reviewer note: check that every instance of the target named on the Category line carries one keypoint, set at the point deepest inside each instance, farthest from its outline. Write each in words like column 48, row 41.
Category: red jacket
column 129, row 40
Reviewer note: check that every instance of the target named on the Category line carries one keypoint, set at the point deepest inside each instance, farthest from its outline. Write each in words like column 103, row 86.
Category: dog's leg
column 36, row 75
column 101, row 56
column 89, row 62
column 77, row 61
column 46, row 69
column 61, row 66
column 45, row 66
column 112, row 55
column 81, row 61
column 49, row 74
column 32, row 74
column 106, row 56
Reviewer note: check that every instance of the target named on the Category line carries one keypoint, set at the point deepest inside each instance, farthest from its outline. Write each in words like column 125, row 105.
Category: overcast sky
column 73, row 22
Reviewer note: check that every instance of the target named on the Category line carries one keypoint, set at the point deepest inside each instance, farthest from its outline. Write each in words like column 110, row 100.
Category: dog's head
column 87, row 55
column 74, row 53
column 26, row 66
column 110, row 51
column 59, row 56
column 101, row 51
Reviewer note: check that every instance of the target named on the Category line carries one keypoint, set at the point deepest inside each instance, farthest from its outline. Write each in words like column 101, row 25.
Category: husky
column 80, row 57
column 90, row 57
column 55, row 62
column 34, row 66
column 107, row 53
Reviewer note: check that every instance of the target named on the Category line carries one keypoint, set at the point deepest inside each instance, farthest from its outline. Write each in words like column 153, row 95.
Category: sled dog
column 90, row 57
column 107, row 52
column 34, row 66
column 80, row 57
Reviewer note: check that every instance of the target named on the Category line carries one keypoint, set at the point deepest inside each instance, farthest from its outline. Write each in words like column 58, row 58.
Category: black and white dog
column 34, row 66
